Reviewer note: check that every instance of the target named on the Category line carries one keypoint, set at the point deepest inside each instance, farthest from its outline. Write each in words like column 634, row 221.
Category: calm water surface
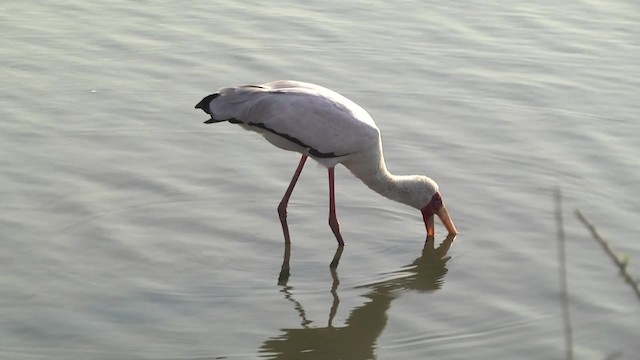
column 130, row 230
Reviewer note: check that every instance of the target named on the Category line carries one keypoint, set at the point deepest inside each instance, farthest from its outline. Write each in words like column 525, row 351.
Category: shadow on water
column 357, row 338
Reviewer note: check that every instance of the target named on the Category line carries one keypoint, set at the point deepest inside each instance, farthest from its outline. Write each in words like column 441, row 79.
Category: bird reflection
column 285, row 270
column 357, row 338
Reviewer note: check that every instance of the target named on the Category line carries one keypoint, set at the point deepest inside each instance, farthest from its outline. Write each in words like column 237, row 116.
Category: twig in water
column 620, row 262
column 564, row 293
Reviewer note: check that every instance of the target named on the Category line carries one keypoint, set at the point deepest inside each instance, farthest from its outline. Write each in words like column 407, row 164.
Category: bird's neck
column 371, row 169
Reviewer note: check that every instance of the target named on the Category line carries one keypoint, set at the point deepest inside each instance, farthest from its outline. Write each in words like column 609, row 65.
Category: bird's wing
column 314, row 116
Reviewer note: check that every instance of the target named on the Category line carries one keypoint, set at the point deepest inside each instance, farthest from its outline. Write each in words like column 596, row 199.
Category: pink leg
column 282, row 208
column 333, row 220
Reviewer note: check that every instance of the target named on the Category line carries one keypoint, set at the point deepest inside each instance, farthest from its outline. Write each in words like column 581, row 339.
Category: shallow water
column 131, row 230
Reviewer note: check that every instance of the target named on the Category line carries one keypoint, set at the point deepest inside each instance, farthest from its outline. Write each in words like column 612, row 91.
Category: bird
column 322, row 124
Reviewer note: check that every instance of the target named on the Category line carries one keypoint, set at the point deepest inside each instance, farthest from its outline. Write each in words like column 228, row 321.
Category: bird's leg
column 284, row 269
column 431, row 229
column 282, row 208
column 333, row 220
column 336, row 258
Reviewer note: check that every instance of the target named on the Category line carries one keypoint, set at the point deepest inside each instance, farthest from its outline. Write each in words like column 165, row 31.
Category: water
column 131, row 230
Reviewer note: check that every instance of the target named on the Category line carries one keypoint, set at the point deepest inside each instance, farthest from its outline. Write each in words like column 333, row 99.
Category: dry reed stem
column 621, row 263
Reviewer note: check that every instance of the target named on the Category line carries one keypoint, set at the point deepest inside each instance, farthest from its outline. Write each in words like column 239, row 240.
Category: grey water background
column 130, row 230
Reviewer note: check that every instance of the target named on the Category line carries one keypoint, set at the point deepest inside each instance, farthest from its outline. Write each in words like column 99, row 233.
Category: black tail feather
column 204, row 103
column 212, row 120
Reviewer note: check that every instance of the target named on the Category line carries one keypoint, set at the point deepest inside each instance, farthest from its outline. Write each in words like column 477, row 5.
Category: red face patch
column 432, row 207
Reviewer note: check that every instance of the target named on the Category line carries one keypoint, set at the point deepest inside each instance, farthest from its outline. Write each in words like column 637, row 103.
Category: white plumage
column 330, row 128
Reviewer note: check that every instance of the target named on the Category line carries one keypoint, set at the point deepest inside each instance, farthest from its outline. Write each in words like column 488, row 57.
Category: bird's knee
column 334, row 224
column 282, row 210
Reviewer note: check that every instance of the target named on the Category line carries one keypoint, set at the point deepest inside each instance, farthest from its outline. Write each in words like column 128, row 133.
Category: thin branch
column 621, row 263
column 564, row 292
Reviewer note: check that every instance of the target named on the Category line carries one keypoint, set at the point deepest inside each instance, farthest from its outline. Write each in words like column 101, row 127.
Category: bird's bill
column 443, row 214
column 436, row 206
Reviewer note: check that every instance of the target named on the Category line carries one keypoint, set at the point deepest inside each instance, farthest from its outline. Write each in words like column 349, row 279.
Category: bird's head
column 430, row 203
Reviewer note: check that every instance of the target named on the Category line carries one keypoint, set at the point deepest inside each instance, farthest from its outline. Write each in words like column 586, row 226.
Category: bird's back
column 306, row 114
